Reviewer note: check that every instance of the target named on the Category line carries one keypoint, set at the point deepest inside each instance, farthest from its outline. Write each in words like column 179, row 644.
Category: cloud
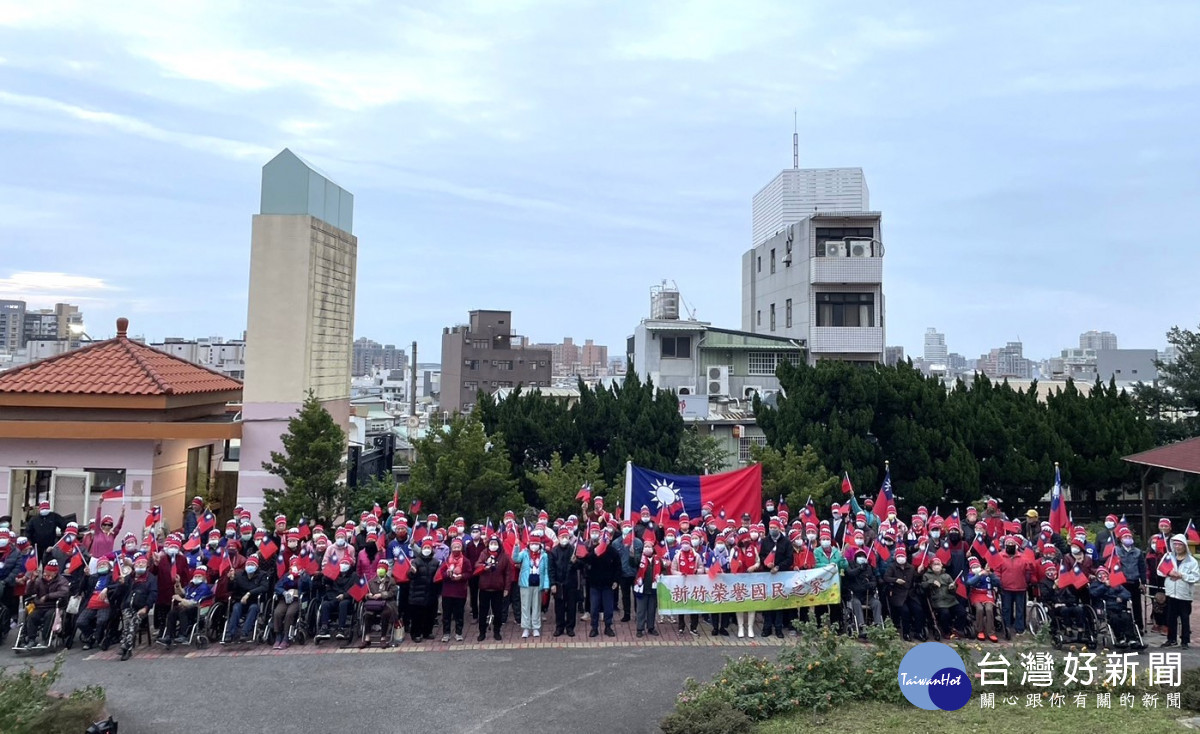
column 235, row 149
column 48, row 287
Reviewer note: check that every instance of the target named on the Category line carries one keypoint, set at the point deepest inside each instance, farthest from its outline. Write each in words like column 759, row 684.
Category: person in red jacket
column 1015, row 571
column 493, row 568
column 171, row 565
column 455, row 573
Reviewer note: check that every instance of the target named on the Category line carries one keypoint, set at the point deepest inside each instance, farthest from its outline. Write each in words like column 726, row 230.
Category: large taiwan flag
column 669, row 495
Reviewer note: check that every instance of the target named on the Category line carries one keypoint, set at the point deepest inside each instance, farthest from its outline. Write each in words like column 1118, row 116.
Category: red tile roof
column 1181, row 456
column 115, row 367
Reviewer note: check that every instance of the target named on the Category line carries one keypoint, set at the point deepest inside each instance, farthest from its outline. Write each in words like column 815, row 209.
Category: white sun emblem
column 665, row 494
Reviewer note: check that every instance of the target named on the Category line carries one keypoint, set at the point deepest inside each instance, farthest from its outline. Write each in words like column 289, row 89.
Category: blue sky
column 1038, row 168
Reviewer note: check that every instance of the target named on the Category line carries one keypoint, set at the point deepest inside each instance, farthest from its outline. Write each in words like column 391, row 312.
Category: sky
column 1037, row 166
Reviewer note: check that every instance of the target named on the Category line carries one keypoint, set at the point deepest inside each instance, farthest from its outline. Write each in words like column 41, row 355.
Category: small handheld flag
column 960, row 586
column 584, row 494
column 1166, row 566
column 205, row 523
column 414, row 507
column 31, row 563
column 1059, row 517
column 268, row 548
column 115, row 493
column 154, row 515
column 304, row 530
column 359, row 590
column 847, row 487
column 1192, row 535
column 713, row 570
column 400, row 568
column 331, row 571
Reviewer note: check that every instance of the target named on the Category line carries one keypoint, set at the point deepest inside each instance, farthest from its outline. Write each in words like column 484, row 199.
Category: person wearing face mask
column 140, row 592
column 169, row 566
column 645, row 590
column 646, row 524
column 494, row 569
column 826, row 554
column 11, row 565
column 719, row 557
column 1180, row 574
column 533, row 577
column 939, row 586
column 335, row 594
column 288, row 590
column 1080, row 554
column 837, row 526
column 246, row 536
column 422, row 591
column 473, row 547
column 97, row 605
column 105, row 540
column 185, row 608
column 1106, row 537
column 628, row 549
column 1015, row 570
column 745, row 559
column 687, row 562
column 46, row 591
column 44, row 528
column 455, row 572
column 869, row 518
column 247, row 591
column 379, row 605
column 1133, row 565
column 1156, row 549
column 400, row 551
column 339, row 549
column 900, row 580
column 777, row 555
column 861, row 591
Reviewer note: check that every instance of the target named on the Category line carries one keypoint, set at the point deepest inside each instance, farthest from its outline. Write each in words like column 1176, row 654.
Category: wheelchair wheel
column 1035, row 617
column 300, row 637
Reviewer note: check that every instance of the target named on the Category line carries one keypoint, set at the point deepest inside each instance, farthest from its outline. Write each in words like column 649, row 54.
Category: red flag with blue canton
column 154, row 515
column 206, row 522
column 1059, row 517
column 268, row 548
column 1166, row 565
column 115, row 493
column 1116, row 576
column 739, row 492
column 847, row 487
column 809, row 513
column 359, row 590
column 885, row 496
column 1191, row 534
column 303, row 529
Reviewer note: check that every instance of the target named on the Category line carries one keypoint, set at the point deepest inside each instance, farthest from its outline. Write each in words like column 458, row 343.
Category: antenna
column 795, row 139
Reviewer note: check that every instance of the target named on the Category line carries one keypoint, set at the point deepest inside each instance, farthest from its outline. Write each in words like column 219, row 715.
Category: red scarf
column 746, row 556
column 454, row 564
column 687, row 562
column 653, row 564
column 535, row 562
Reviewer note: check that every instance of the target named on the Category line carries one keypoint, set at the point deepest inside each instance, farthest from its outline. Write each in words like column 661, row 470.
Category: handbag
column 375, row 606
column 74, row 603
column 545, row 599
column 57, row 621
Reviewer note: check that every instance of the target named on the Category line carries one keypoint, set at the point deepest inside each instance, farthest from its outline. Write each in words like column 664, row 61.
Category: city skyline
column 135, row 137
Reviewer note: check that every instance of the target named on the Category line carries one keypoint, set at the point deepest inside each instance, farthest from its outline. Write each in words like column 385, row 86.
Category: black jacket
column 782, row 548
column 604, row 570
column 860, row 580
column 43, row 531
column 138, row 595
column 898, row 593
column 422, row 592
column 255, row 586
column 340, row 586
column 564, row 568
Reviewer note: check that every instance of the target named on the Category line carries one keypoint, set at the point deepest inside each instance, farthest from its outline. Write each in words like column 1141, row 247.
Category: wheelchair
column 54, row 642
column 1063, row 633
column 973, row 627
column 934, row 628
column 1036, row 616
column 353, row 623
column 1105, row 635
column 851, row 622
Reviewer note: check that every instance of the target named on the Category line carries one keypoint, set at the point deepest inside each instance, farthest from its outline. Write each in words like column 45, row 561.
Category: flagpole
column 628, row 490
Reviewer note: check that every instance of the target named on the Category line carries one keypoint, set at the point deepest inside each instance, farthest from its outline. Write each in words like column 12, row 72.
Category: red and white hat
column 427, row 542
column 198, row 501
column 775, row 524
column 974, row 562
column 51, row 564
column 43, row 505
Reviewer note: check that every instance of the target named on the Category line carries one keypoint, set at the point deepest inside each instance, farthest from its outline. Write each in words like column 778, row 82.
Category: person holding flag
column 603, row 569
column 827, row 555
column 981, row 596
column 45, row 593
column 533, row 566
column 1014, row 570
column 400, row 553
column 191, row 517
column 138, row 591
column 455, row 572
column 97, row 605
column 288, row 589
column 1059, row 517
column 645, row 590
column 105, row 539
column 1180, row 574
column 380, row 604
column 776, row 554
column 335, row 596
column 1157, row 549
column 942, row 591
column 861, row 590
column 687, row 562
column 247, row 590
column 493, row 568
column 422, row 591
column 1115, row 599
column 1106, row 538
column 185, row 607
column 1133, row 565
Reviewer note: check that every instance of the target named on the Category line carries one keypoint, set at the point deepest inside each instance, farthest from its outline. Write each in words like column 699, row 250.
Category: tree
column 459, row 471
column 797, row 474
column 310, row 467
column 700, row 453
column 1173, row 405
column 559, row 483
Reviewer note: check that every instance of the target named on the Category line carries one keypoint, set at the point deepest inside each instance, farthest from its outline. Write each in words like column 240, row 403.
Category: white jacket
column 1189, row 572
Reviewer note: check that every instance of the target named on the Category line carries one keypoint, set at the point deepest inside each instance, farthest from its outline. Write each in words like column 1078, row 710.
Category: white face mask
column 837, row 516
column 535, row 547
column 493, row 547
column 246, row 537
column 1110, row 525
column 811, row 537
column 860, row 524
column 825, row 544
column 859, row 541
column 344, row 566
column 901, row 561
column 172, row 552
column 3, row 542
column 645, row 518
column 251, row 570
column 197, row 580
column 340, row 542
column 935, row 534
column 427, row 552
column 754, row 536
column 293, row 544
column 564, row 541
column 862, row 561
column 626, row 531
column 229, row 533
column 595, row 536
column 43, row 513
column 720, row 546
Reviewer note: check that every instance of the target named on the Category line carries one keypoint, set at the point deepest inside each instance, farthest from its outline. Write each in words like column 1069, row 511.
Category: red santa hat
column 106, row 520
column 383, row 563
column 901, row 553
column 231, row 525
column 598, row 501
column 427, row 542
column 992, row 504
column 683, row 517
column 860, row 517
column 214, row 534
column 1111, row 518
column 341, row 533
column 171, row 543
column 281, row 520
column 859, row 535
column 1162, row 522
column 794, row 535
column 974, row 562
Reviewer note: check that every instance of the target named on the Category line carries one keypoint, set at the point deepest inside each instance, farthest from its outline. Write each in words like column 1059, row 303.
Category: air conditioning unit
column 687, row 390
column 831, row 249
column 860, row 248
column 718, row 380
column 749, row 391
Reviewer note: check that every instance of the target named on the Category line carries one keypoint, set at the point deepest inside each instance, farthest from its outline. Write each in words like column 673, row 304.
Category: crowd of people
column 418, row 580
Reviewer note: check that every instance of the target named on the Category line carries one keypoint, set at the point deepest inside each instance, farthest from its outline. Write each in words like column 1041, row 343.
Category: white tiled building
column 798, row 192
column 820, row 280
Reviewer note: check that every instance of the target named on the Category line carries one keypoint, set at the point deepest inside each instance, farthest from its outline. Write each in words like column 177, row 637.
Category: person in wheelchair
column 98, row 603
column 380, row 605
column 981, row 587
column 337, row 595
column 288, row 591
column 247, row 590
column 1066, row 611
column 185, row 607
column 860, row 588
column 50, row 588
column 1115, row 602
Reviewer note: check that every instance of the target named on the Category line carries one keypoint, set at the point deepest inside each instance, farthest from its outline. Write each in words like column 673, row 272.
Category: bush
column 1189, row 690
column 698, row 718
column 27, row 706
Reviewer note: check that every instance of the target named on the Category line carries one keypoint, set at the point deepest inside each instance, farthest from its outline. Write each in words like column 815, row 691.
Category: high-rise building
column 1006, row 361
column 485, row 355
column 1097, row 340
column 893, row 356
column 800, row 192
column 40, row 325
column 300, row 323
column 370, row 354
column 820, row 282
column 577, row 360
column 935, row 352
column 12, row 325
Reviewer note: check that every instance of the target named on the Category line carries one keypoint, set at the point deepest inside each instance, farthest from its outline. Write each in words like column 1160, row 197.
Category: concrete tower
column 300, row 327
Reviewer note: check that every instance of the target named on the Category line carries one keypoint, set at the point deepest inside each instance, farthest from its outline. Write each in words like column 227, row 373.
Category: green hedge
column 27, row 706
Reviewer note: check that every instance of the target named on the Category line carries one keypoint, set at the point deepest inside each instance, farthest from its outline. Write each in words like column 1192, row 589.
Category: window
column 504, row 365
column 837, row 234
column 787, row 313
column 744, row 444
column 505, row 383
column 772, row 317
column 845, row 309
column 470, row 386
column 759, row 258
column 105, row 479
column 758, row 318
column 772, row 259
column 481, row 344
column 471, row 364
column 677, row 347
column 764, row 363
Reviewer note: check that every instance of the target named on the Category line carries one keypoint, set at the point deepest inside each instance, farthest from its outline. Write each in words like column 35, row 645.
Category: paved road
column 625, row 689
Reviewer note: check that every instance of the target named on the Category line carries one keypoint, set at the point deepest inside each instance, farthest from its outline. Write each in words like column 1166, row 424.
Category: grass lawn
column 870, row 718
